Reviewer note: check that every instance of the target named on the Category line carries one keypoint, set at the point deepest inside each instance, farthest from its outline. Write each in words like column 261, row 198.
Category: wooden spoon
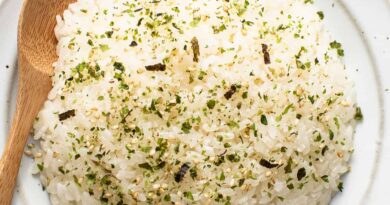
column 37, row 52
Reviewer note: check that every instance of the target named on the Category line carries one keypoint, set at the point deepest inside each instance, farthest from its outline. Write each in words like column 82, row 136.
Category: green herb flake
column 233, row 157
column 91, row 178
column 287, row 168
column 336, row 122
column 222, row 176
column 358, row 114
column 323, row 151
column 241, row 182
column 186, row 127
column 119, row 66
column 311, row 98
column 90, row 42
column 195, row 21
column 159, row 166
column 233, row 124
column 321, row 15
column 109, row 34
column 167, row 197
column 40, row 167
column 264, row 120
column 325, row 178
column 188, row 195
column 146, row 149
column 340, row 186
column 336, row 45
column 193, row 173
column 211, row 104
column 201, row 75
column 61, row 169
column 178, row 99
column 104, row 47
column 146, row 166
column 245, row 95
column 285, row 111
column 219, row 29
column 290, row 186
column 318, row 138
column 76, row 181
column 331, row 134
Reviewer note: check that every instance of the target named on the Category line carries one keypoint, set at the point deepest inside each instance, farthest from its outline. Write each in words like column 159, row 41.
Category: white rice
column 241, row 131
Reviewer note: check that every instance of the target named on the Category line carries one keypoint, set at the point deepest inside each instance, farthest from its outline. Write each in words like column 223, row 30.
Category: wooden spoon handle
column 32, row 92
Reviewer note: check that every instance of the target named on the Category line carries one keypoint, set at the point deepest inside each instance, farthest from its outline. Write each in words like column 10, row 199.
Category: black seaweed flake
column 230, row 93
column 156, row 67
column 137, row 10
column 161, row 165
column 182, row 172
column 140, row 21
column 67, row 114
column 301, row 173
column 268, row 164
column 133, row 44
column 267, row 59
column 195, row 48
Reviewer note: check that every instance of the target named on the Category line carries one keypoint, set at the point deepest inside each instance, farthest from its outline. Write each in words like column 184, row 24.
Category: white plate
column 362, row 26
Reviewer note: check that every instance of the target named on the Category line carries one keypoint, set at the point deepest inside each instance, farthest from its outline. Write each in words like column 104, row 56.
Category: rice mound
column 195, row 102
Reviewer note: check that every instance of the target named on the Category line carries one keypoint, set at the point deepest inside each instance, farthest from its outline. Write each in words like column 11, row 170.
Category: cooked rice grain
column 169, row 134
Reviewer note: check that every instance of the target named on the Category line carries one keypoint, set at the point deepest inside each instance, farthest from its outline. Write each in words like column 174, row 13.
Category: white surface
column 362, row 26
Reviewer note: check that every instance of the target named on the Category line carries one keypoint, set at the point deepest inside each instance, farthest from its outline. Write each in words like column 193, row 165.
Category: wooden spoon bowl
column 36, row 54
